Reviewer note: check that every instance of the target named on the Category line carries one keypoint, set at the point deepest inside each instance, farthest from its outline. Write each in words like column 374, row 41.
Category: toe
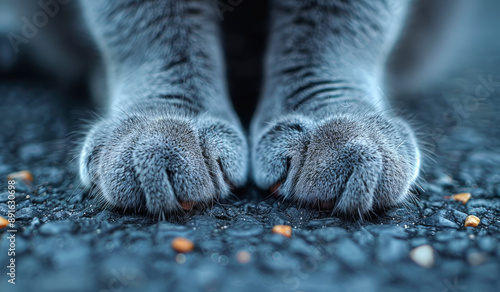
column 342, row 175
column 278, row 151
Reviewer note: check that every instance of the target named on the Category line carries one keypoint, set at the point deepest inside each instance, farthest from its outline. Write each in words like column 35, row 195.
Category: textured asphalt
column 65, row 242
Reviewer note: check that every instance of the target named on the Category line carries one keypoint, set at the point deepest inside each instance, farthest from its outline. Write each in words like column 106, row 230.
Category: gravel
column 67, row 243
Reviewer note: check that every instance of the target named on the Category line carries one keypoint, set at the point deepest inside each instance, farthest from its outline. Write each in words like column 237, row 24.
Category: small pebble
column 180, row 258
column 285, row 230
column 183, row 245
column 423, row 256
column 243, row 257
column 472, row 220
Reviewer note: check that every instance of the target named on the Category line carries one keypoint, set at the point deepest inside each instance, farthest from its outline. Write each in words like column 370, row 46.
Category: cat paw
column 163, row 164
column 349, row 164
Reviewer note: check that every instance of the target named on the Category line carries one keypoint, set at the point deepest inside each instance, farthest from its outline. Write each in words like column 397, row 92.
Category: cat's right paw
column 163, row 164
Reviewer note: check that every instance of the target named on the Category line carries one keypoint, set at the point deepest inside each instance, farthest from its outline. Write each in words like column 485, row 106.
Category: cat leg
column 170, row 136
column 323, row 130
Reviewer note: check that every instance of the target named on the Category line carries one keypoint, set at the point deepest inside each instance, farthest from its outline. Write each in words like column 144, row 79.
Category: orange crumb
column 462, row 197
column 472, row 220
column 285, row 230
column 3, row 222
column 181, row 244
column 23, row 175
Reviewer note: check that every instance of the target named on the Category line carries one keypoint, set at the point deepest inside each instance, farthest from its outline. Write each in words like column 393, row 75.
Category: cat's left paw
column 349, row 163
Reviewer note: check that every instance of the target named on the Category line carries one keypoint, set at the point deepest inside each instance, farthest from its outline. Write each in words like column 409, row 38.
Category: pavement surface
column 65, row 242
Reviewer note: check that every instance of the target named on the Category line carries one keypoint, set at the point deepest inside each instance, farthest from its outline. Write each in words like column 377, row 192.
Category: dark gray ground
column 66, row 243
